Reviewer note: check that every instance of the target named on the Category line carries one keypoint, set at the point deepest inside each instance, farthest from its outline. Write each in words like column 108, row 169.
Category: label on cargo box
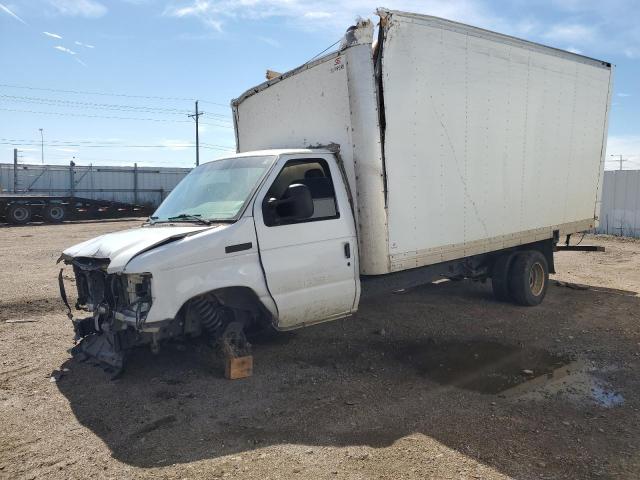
column 337, row 65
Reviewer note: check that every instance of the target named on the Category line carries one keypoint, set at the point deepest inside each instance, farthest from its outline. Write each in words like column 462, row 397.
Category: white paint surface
column 486, row 136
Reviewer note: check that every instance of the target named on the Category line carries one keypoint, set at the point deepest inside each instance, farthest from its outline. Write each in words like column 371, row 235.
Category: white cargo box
column 456, row 140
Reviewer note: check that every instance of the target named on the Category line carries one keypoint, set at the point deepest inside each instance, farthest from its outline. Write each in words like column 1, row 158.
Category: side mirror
column 296, row 204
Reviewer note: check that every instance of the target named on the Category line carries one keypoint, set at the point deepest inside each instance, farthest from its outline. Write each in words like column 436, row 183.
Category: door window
column 315, row 175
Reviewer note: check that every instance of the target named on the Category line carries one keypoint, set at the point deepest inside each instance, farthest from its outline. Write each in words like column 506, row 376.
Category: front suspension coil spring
column 212, row 315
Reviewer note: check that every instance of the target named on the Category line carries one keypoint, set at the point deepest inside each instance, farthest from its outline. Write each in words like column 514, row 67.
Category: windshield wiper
column 190, row 218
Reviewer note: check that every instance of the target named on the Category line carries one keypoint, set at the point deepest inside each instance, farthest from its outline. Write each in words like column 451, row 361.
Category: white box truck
column 439, row 150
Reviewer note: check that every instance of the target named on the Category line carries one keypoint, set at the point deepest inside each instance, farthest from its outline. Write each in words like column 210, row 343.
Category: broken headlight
column 137, row 298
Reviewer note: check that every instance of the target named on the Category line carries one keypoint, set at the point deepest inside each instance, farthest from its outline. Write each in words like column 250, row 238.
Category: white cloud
column 316, row 13
column 5, row 9
column 202, row 9
column 570, row 33
column 52, row 35
column 64, row 49
column 270, row 41
column 80, row 62
column 574, row 50
column 624, row 94
column 85, row 45
column 631, row 52
column 177, row 145
column 79, row 8
column 601, row 28
column 597, row 28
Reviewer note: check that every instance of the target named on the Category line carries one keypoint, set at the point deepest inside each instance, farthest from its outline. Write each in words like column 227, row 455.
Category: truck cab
column 259, row 238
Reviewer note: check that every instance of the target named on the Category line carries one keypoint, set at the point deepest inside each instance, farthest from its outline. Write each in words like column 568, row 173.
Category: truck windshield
column 213, row 191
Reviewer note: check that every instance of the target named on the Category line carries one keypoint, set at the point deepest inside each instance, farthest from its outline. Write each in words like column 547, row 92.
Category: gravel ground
column 439, row 381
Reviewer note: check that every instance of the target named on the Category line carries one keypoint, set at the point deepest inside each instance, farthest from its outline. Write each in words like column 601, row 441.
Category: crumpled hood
column 121, row 247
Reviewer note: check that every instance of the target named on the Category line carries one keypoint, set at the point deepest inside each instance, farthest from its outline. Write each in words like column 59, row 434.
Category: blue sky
column 157, row 55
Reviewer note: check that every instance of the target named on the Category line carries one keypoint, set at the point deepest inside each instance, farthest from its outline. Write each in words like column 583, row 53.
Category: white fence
column 619, row 215
column 139, row 185
column 620, row 212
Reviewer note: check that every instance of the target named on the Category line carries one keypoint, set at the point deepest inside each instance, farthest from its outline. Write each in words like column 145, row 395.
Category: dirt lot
column 426, row 383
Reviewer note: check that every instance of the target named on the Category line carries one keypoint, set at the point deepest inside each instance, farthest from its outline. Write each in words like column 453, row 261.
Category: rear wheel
column 529, row 278
column 19, row 214
column 500, row 277
column 54, row 213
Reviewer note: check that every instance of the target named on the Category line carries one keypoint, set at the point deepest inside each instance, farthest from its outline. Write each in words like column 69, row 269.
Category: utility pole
column 620, row 160
column 42, row 145
column 196, row 116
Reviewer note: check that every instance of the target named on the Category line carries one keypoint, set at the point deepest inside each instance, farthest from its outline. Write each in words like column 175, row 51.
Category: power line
column 317, row 55
column 78, row 145
column 221, row 146
column 84, row 92
column 216, row 124
column 65, row 114
column 104, row 106
column 107, row 94
column 21, row 98
column 95, row 142
column 225, row 105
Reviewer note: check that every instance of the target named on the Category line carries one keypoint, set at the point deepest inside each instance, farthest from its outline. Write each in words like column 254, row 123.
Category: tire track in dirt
column 30, row 307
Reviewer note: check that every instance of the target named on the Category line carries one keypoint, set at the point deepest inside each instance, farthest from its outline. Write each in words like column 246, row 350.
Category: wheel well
column 238, row 298
column 241, row 298
column 544, row 246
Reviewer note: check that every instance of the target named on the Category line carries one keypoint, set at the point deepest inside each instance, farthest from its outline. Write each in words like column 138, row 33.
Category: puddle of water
column 606, row 397
column 512, row 371
column 486, row 367
column 574, row 382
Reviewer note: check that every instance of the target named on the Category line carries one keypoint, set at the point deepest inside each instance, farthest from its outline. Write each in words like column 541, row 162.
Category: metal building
column 620, row 211
column 139, row 185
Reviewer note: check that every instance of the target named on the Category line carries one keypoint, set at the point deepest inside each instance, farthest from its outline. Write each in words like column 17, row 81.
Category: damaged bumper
column 108, row 348
column 118, row 305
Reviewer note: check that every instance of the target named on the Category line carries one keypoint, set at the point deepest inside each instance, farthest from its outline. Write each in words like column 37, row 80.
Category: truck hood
column 121, row 247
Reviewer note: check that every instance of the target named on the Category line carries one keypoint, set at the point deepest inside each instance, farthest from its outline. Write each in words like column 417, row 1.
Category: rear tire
column 529, row 278
column 500, row 277
column 54, row 213
column 19, row 214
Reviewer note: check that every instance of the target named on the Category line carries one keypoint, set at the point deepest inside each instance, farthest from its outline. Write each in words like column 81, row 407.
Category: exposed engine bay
column 118, row 304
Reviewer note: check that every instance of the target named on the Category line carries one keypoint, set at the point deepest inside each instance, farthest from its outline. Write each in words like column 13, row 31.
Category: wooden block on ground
column 238, row 367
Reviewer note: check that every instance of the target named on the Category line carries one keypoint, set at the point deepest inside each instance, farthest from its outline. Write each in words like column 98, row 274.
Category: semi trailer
column 428, row 150
column 24, row 207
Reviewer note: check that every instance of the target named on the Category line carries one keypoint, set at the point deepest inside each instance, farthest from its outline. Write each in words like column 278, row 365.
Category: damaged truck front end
column 117, row 304
column 192, row 269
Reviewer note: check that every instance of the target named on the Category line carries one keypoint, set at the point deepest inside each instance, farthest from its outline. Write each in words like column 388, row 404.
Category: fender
column 202, row 263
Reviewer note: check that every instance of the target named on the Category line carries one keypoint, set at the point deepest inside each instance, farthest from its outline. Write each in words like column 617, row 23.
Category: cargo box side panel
column 308, row 108
column 331, row 101
column 488, row 143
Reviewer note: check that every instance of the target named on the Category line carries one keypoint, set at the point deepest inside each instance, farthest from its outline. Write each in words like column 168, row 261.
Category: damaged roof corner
column 358, row 34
